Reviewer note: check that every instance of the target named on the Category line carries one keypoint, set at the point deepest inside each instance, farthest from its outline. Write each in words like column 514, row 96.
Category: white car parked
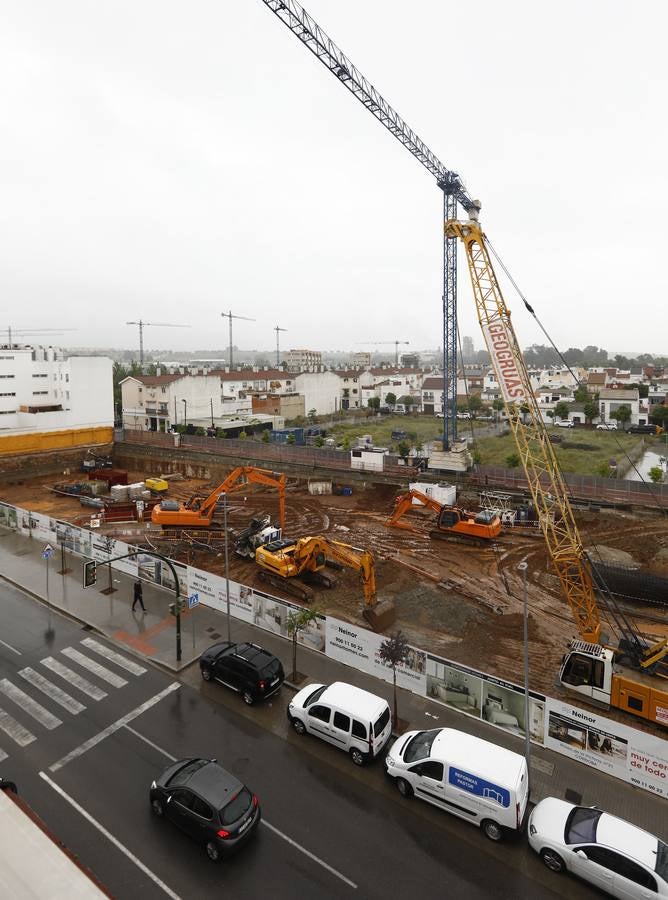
column 563, row 423
column 617, row 857
column 607, row 426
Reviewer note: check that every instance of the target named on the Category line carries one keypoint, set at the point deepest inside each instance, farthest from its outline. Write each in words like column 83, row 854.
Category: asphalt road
column 85, row 762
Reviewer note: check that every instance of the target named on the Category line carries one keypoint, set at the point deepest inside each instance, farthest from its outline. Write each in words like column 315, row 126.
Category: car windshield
column 316, row 695
column 662, row 860
column 581, row 825
column 237, row 806
column 419, row 746
column 184, row 773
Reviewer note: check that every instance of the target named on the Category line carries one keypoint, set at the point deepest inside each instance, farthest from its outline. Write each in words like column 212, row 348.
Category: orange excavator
column 452, row 523
column 293, row 565
column 198, row 512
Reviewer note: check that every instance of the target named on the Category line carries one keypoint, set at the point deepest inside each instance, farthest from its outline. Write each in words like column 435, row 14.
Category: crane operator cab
column 586, row 669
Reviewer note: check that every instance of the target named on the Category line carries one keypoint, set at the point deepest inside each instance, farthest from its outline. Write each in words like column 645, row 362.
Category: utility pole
column 228, row 315
column 142, row 325
column 314, row 38
column 278, row 355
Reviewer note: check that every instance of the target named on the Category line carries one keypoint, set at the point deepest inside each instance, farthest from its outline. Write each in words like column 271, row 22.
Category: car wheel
column 157, row 807
column 248, row 698
column 552, row 860
column 213, row 851
column 357, row 756
column 207, row 674
column 299, row 726
column 492, row 830
column 404, row 788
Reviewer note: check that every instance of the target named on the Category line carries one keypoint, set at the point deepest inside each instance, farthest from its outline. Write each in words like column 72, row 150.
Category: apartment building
column 156, row 402
column 303, row 360
column 50, row 402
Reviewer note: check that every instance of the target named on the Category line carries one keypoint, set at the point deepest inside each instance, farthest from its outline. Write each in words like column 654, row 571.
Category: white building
column 303, row 360
column 611, row 399
column 321, row 391
column 49, row 402
column 156, row 402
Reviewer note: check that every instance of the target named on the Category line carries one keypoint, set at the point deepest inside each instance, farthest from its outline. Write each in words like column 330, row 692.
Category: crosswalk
column 51, row 685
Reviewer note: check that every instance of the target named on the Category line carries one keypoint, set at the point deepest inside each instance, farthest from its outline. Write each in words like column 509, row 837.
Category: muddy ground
column 464, row 602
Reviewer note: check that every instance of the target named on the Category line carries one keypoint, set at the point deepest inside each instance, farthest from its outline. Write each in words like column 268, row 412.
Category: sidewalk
column 152, row 635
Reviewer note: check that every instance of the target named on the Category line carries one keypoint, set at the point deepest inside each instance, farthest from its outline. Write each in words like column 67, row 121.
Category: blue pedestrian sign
column 193, row 600
column 47, row 552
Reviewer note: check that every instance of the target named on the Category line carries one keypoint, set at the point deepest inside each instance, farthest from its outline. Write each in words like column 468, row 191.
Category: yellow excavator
column 198, row 512
column 631, row 674
column 293, row 565
column 452, row 523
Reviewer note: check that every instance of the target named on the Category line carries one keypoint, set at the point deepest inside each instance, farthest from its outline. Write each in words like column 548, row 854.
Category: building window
column 7, row 412
column 39, row 393
column 8, row 395
column 67, row 376
column 6, row 376
column 40, row 375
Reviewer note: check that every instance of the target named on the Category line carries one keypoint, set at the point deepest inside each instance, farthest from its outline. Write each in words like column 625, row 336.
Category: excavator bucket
column 381, row 616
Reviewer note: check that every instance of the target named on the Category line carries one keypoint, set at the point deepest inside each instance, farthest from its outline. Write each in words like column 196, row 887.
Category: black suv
column 208, row 803
column 643, row 429
column 246, row 668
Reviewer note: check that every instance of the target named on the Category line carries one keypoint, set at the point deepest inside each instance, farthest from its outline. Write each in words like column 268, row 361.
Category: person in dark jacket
column 138, row 597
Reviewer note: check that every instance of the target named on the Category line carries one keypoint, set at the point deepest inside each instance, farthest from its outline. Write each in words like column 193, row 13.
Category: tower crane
column 142, row 325
column 278, row 352
column 228, row 315
column 323, row 47
column 396, row 347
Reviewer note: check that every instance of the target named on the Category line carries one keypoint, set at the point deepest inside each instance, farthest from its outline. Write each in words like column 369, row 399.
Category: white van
column 346, row 716
column 464, row 775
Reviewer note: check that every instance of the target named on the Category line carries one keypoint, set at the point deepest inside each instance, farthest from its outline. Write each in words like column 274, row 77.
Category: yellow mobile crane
column 632, row 675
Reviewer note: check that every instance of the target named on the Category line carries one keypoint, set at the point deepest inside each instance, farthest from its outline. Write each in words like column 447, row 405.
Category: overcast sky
column 168, row 161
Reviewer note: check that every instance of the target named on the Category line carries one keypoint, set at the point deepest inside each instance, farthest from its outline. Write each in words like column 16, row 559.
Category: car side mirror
column 581, row 854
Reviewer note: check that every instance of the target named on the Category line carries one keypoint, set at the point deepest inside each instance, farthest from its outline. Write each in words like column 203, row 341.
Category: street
column 84, row 728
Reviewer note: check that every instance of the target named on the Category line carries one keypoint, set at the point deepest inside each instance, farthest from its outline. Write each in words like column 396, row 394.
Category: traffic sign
column 48, row 551
column 193, row 600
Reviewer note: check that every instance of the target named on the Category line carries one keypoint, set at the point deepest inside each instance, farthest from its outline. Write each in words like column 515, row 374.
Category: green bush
column 513, row 460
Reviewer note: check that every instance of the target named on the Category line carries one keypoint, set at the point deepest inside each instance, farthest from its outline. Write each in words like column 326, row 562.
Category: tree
column 407, row 401
column 345, row 444
column 403, row 448
column 243, row 435
column 266, row 437
column 312, row 413
column 512, row 461
column 474, row 404
column 656, row 474
column 390, row 399
column 320, row 441
column 622, row 415
column 604, row 470
column 291, row 439
column 659, row 415
column 581, row 394
column 590, row 409
column 497, row 406
column 374, row 403
column 394, row 651
column 561, row 410
column 297, row 622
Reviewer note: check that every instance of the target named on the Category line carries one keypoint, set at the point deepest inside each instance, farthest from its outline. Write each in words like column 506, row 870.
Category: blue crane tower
column 321, row 45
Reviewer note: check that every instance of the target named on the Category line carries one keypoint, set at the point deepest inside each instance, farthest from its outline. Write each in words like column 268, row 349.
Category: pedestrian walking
column 138, row 596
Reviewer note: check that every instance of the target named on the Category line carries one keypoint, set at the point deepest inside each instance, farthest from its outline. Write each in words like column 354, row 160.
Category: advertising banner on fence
column 44, row 528
column 359, row 647
column 8, row 516
column 75, row 539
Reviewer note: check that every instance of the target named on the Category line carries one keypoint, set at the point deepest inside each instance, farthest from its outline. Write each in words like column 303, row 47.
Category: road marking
column 55, row 693
column 94, row 667
column 3, row 756
column 32, row 707
column 119, row 723
column 310, row 855
column 15, row 730
column 150, row 743
column 9, row 647
column 74, row 679
column 110, row 837
column 127, row 664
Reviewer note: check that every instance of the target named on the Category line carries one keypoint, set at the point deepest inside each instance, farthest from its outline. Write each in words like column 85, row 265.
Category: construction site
column 454, row 588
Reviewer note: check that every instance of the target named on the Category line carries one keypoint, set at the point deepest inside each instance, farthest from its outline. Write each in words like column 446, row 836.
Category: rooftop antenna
column 278, row 356
column 228, row 315
column 142, row 325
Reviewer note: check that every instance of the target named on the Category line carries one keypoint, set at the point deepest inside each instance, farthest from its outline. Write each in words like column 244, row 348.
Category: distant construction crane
column 396, row 347
column 320, row 44
column 228, row 315
column 30, row 333
column 278, row 353
column 143, row 325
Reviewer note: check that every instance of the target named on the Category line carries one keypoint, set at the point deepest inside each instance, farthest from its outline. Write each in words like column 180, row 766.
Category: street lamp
column 522, row 567
column 185, row 411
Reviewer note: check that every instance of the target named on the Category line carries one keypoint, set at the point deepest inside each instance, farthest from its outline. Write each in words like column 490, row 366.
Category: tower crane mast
column 304, row 27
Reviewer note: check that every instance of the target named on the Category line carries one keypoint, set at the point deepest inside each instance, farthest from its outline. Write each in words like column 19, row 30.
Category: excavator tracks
column 290, row 585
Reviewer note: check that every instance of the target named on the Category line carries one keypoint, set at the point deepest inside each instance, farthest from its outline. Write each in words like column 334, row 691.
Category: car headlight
column 532, row 829
column 389, row 761
column 153, row 785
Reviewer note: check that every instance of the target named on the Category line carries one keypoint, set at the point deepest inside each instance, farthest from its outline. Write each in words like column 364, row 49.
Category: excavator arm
column 238, row 479
column 311, row 553
column 404, row 502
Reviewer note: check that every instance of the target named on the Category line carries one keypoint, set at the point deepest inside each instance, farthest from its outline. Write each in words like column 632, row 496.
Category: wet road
column 84, row 731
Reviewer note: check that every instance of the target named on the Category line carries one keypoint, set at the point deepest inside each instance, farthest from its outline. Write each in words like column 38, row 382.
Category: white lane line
column 119, row 723
column 74, row 678
column 320, row 862
column 3, row 756
column 128, row 664
column 110, row 837
column 15, row 730
column 32, row 707
column 94, row 667
column 46, row 687
column 150, row 743
column 9, row 647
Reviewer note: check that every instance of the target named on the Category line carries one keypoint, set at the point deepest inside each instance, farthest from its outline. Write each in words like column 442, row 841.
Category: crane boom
column 304, row 27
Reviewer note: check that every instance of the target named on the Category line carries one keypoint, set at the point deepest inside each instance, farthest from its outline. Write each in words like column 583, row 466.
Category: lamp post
column 185, row 411
column 522, row 567
column 227, row 569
